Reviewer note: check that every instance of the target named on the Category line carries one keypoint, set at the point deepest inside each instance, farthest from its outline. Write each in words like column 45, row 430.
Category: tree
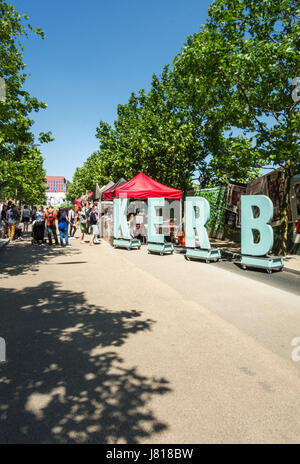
column 21, row 165
column 23, row 175
column 86, row 177
column 240, row 68
column 151, row 135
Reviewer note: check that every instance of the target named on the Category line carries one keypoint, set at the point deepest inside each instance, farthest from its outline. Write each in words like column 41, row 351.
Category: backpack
column 83, row 218
column 12, row 214
column 93, row 218
column 51, row 218
column 62, row 224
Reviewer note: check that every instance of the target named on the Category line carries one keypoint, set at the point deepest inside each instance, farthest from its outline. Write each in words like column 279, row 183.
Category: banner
column 271, row 185
column 233, row 208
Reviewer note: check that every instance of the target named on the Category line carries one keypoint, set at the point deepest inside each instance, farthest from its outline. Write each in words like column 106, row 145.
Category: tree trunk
column 283, row 229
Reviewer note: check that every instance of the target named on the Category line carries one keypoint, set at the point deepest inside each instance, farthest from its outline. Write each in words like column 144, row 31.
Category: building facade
column 56, row 184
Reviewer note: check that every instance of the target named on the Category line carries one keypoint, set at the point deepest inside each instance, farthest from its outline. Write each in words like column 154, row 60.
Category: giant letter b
column 249, row 223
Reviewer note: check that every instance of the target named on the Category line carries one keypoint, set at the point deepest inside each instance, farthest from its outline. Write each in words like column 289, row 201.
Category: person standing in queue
column 50, row 217
column 12, row 217
column 25, row 218
column 296, row 247
column 63, row 222
column 40, row 225
column 94, row 225
column 71, row 217
column 4, row 222
column 88, row 212
column 33, row 214
column 82, row 222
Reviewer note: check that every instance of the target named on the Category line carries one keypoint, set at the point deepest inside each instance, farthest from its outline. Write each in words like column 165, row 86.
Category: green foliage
column 239, row 68
column 217, row 199
column 224, row 110
column 152, row 134
column 86, row 177
column 23, row 176
column 21, row 166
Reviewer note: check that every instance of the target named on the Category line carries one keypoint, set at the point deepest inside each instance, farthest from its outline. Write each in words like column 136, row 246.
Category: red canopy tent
column 142, row 187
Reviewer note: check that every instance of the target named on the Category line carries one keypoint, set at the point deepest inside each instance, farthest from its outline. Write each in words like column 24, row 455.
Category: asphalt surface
column 264, row 306
column 111, row 346
column 280, row 280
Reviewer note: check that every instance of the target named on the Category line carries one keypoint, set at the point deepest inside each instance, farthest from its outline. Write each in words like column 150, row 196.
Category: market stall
column 142, row 187
column 109, row 194
column 103, row 212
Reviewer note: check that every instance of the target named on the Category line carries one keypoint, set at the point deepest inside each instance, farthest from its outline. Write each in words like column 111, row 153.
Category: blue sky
column 94, row 55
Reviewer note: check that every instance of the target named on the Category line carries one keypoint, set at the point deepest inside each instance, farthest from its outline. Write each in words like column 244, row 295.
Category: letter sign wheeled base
column 206, row 255
column 127, row 243
column 160, row 248
column 269, row 263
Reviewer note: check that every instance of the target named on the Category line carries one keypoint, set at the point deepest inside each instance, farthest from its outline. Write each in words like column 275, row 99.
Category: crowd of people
column 49, row 225
column 10, row 221
column 57, row 227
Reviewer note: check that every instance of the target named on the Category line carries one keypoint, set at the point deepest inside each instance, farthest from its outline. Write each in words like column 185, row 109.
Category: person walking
column 12, row 216
column 33, row 214
column 71, row 217
column 25, row 218
column 63, row 227
column 1, row 209
column 131, row 225
column 296, row 247
column 40, row 225
column 82, row 222
column 94, row 226
column 50, row 217
column 4, row 223
column 19, row 228
column 88, row 213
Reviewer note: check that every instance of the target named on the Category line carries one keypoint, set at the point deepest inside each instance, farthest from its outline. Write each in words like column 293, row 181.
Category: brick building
column 56, row 184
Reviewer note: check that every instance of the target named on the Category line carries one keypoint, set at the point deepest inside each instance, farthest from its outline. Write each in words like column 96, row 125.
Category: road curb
column 231, row 255
column 291, row 270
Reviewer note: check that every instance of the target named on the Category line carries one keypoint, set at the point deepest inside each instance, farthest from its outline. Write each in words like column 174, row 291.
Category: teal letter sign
column 261, row 223
column 196, row 221
column 154, row 220
column 120, row 218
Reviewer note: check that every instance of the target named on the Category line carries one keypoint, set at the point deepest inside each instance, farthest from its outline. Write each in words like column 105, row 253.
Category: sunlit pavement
column 111, row 346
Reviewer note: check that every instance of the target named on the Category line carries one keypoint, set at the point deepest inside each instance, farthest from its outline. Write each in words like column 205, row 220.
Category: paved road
column 110, row 346
column 266, row 307
column 280, row 280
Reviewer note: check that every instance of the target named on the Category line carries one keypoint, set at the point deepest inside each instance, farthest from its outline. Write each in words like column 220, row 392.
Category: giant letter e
column 154, row 220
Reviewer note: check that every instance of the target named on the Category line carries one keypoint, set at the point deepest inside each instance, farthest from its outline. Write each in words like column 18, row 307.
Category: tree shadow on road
column 64, row 381
column 27, row 258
